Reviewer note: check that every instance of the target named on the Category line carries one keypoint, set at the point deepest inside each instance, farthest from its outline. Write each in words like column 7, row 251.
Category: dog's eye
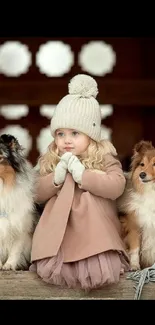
column 141, row 164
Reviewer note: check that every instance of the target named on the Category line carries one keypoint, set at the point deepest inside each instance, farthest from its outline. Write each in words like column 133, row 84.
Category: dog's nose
column 142, row 175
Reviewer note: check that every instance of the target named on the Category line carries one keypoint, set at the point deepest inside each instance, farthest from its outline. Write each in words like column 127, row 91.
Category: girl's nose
column 67, row 139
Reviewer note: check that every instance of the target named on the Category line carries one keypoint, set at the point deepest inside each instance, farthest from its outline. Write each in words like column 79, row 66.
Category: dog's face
column 9, row 151
column 143, row 165
column 10, row 158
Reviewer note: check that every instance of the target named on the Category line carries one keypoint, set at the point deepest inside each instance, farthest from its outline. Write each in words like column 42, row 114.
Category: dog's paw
column 134, row 266
column 1, row 265
column 8, row 266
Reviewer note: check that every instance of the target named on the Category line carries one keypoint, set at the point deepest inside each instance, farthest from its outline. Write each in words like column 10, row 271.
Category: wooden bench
column 26, row 285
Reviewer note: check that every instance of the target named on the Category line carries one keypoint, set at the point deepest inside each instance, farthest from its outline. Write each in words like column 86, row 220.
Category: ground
column 26, row 285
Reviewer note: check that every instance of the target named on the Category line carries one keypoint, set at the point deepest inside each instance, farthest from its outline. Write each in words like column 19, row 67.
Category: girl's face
column 72, row 141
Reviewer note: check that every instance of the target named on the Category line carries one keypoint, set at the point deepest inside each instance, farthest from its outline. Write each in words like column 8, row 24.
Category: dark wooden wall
column 130, row 88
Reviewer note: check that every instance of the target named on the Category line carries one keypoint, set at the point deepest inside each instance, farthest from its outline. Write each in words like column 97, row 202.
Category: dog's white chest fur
column 13, row 207
column 144, row 206
column 16, row 223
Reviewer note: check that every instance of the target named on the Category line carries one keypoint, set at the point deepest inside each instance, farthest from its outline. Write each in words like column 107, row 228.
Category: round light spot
column 43, row 140
column 47, row 110
column 106, row 133
column 15, row 58
column 106, row 110
column 54, row 58
column 97, row 58
column 14, row 112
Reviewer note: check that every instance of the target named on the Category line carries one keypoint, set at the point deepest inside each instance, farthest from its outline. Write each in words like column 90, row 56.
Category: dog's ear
column 142, row 147
column 10, row 141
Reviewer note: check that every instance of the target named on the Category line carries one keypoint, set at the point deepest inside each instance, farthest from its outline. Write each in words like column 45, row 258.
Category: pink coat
column 81, row 219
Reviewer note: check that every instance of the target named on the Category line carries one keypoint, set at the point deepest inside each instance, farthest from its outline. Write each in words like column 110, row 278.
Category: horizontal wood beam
column 115, row 92
column 27, row 285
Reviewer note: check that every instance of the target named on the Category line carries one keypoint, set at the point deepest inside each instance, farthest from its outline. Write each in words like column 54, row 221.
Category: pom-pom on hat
column 79, row 109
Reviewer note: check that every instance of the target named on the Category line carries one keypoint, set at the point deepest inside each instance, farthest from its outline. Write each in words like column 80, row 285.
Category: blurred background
column 34, row 76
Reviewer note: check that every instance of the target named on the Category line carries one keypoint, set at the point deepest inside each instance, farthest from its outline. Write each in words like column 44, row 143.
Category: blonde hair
column 92, row 158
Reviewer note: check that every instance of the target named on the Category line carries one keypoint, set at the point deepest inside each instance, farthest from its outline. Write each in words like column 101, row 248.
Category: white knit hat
column 79, row 109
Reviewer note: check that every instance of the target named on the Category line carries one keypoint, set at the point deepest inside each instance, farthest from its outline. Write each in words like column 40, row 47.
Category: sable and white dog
column 137, row 207
column 17, row 209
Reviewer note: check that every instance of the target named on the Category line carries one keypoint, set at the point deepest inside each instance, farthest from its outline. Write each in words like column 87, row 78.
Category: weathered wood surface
column 26, row 285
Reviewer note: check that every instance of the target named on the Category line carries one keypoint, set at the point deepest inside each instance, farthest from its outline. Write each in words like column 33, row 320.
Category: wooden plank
column 26, row 285
column 116, row 91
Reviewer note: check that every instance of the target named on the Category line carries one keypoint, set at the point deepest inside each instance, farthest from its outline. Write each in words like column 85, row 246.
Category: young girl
column 77, row 240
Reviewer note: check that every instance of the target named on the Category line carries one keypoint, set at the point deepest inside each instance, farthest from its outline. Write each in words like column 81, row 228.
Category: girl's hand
column 76, row 169
column 61, row 169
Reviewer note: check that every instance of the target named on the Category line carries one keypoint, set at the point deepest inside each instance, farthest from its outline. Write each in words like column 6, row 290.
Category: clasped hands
column 71, row 163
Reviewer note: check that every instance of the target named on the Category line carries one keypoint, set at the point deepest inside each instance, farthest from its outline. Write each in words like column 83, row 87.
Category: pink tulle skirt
column 93, row 272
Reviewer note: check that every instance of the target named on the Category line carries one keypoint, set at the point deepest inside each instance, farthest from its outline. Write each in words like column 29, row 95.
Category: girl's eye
column 142, row 164
column 60, row 134
column 153, row 164
column 75, row 133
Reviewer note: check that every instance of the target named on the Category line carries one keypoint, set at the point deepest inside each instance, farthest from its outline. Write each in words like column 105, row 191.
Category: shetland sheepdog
column 137, row 207
column 17, row 210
